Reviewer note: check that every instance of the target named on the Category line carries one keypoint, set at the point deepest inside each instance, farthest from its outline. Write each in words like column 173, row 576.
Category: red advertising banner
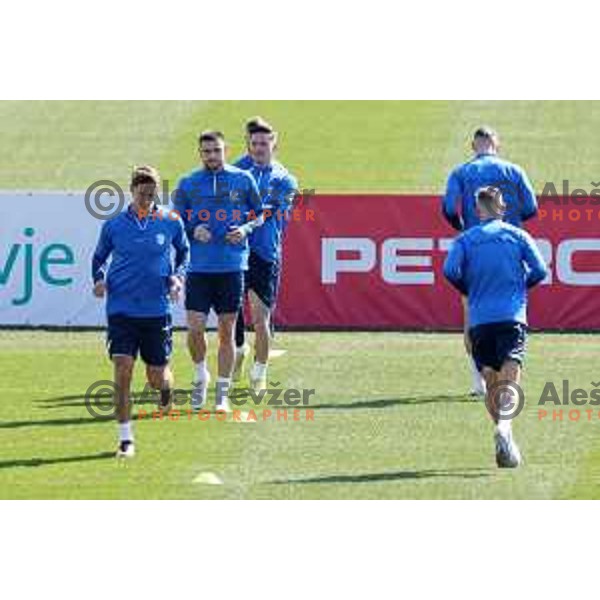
column 375, row 262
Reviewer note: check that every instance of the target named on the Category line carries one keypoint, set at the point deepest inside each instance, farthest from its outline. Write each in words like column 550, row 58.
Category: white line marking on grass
column 208, row 478
column 276, row 353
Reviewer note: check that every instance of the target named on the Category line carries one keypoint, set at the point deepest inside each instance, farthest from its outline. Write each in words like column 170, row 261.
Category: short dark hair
column 144, row 174
column 258, row 125
column 485, row 132
column 211, row 135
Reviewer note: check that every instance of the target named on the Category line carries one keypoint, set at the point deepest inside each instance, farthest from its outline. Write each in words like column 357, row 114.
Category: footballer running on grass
column 220, row 205
column 277, row 188
column 486, row 168
column 140, row 286
column 494, row 264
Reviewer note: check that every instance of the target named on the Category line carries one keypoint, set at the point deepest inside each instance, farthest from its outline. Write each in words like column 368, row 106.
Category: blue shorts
column 495, row 343
column 152, row 337
column 221, row 291
column 263, row 278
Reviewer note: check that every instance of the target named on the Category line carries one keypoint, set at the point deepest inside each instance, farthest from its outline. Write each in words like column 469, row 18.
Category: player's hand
column 175, row 287
column 236, row 235
column 202, row 234
column 99, row 289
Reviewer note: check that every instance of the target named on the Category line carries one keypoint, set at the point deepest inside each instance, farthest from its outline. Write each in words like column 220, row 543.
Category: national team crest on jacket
column 160, row 239
column 235, row 196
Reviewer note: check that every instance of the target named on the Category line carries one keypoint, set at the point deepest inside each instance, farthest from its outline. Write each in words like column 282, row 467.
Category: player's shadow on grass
column 54, row 403
column 43, row 462
column 388, row 402
column 75, row 400
column 66, row 421
column 68, row 401
column 389, row 476
column 59, row 398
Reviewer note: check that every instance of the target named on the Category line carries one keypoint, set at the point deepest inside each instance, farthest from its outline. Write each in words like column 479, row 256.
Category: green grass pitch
column 391, row 418
column 330, row 146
